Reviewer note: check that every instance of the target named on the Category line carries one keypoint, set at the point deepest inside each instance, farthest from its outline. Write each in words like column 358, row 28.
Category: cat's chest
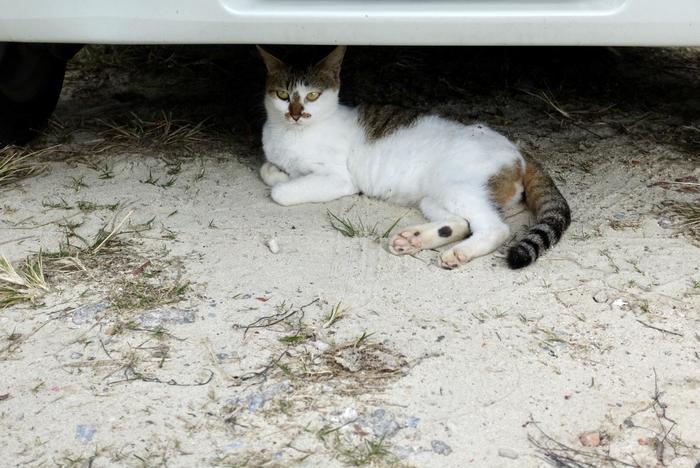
column 300, row 153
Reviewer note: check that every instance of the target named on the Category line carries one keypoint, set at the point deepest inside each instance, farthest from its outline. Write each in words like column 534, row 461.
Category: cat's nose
column 295, row 110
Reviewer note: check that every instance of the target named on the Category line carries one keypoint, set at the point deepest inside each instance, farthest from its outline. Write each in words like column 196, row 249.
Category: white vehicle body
column 368, row 22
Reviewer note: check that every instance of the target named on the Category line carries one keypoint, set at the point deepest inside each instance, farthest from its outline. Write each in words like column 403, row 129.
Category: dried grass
column 23, row 284
column 163, row 132
column 18, row 163
column 687, row 217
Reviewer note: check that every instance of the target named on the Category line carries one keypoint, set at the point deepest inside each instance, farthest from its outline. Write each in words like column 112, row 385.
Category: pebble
column 257, row 400
column 412, row 421
column 383, row 423
column 665, row 222
column 600, row 297
column 76, row 355
column 440, row 447
column 350, row 414
column 84, row 433
column 233, row 445
column 590, row 439
column 321, row 345
column 508, row 453
column 273, row 245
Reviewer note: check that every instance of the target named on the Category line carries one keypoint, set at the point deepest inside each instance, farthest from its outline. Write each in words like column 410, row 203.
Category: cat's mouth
column 296, row 118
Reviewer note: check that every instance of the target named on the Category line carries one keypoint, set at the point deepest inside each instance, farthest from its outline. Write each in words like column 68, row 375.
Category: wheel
column 31, row 77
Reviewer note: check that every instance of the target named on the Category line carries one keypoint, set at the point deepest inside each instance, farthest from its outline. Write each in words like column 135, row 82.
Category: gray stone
column 440, row 447
column 86, row 313
column 84, row 433
column 160, row 317
column 349, row 358
column 412, row 421
column 666, row 222
column 257, row 400
column 383, row 423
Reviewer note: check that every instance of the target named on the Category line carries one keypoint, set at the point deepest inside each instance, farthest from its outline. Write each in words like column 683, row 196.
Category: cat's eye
column 312, row 96
column 284, row 95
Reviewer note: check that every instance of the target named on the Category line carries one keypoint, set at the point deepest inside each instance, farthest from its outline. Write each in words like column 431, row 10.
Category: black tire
column 31, row 78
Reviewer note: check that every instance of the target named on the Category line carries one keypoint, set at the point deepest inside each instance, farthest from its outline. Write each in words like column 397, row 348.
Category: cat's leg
column 272, row 175
column 312, row 188
column 489, row 232
column 445, row 229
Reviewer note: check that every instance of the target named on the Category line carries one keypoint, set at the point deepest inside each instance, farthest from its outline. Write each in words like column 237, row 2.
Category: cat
column 461, row 176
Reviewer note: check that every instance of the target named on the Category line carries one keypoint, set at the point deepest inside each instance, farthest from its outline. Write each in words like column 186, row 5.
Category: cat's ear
column 333, row 61
column 272, row 63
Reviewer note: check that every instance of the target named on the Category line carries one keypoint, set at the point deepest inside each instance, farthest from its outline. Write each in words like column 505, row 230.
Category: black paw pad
column 445, row 231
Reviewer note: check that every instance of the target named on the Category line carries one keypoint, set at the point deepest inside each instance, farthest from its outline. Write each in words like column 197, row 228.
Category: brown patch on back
column 380, row 121
column 503, row 186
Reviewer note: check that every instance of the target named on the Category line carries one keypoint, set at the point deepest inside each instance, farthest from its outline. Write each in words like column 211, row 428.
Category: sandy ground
column 183, row 340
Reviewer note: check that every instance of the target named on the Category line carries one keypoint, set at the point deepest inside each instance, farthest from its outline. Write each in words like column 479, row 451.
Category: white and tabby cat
column 461, row 176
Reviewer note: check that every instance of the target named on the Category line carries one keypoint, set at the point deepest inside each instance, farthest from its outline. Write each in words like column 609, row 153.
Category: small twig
column 15, row 344
column 156, row 330
column 566, row 456
column 547, row 99
column 105, row 349
column 12, row 241
column 275, row 318
column 662, row 330
column 262, row 372
column 171, row 382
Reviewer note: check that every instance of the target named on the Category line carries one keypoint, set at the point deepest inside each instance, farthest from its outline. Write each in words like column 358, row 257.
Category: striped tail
column 552, row 217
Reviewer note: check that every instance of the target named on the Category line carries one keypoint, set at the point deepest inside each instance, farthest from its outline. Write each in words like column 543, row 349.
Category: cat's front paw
column 284, row 195
column 272, row 175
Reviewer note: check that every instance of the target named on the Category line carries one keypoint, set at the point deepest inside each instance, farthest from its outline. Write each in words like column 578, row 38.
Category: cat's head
column 302, row 97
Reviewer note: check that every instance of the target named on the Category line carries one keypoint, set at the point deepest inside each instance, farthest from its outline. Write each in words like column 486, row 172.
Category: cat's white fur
column 439, row 165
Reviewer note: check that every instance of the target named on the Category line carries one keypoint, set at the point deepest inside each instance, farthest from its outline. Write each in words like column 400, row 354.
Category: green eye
column 284, row 95
column 312, row 96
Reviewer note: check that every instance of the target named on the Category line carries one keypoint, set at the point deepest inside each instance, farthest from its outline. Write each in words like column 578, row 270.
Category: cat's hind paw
column 452, row 258
column 412, row 239
column 406, row 242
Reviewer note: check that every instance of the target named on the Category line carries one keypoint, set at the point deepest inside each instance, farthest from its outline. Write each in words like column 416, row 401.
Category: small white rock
column 350, row 414
column 619, row 303
column 273, row 245
column 321, row 345
column 508, row 453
